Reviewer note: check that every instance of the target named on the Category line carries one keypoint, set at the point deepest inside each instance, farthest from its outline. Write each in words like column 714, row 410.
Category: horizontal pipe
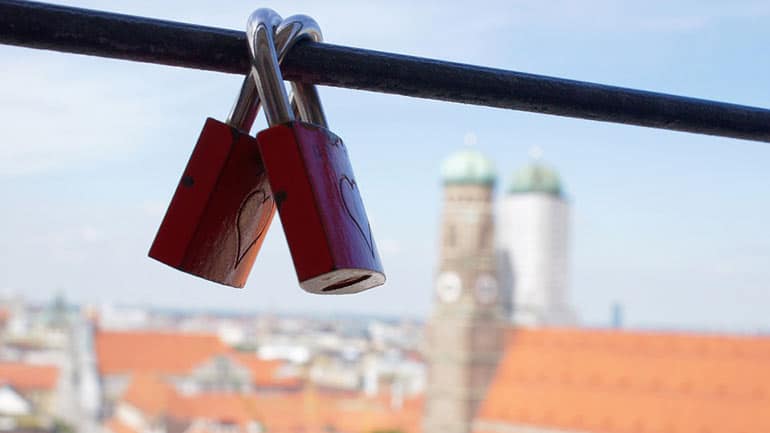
column 96, row 33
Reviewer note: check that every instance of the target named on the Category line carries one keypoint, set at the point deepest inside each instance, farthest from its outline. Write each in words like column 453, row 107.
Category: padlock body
column 321, row 210
column 221, row 210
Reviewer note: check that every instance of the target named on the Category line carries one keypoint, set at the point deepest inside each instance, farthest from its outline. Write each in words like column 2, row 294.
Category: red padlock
column 223, row 206
column 309, row 171
column 220, row 211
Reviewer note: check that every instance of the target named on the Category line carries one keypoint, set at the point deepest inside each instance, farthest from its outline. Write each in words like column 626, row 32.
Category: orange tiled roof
column 224, row 407
column 266, row 373
column 365, row 415
column 308, row 411
column 314, row 411
column 149, row 394
column 631, row 382
column 116, row 426
column 287, row 413
column 28, row 376
column 154, row 352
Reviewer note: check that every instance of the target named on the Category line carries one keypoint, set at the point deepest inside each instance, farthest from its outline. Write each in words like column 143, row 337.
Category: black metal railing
column 82, row 31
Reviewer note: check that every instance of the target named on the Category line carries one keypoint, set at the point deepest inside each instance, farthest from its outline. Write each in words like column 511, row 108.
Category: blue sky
column 671, row 225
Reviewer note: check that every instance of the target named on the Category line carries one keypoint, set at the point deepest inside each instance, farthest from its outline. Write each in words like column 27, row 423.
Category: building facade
column 466, row 327
column 533, row 248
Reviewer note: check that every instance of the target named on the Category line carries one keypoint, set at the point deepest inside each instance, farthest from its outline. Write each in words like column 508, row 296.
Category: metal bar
column 82, row 31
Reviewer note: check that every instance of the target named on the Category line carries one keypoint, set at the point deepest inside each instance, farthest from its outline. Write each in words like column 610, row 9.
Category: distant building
column 560, row 379
column 122, row 317
column 533, row 245
column 285, row 350
column 402, row 373
column 13, row 404
column 150, row 406
column 193, row 363
column 87, row 380
column 28, row 392
column 465, row 328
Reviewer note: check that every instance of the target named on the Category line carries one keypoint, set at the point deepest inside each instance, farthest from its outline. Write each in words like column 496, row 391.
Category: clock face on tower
column 486, row 289
column 449, row 286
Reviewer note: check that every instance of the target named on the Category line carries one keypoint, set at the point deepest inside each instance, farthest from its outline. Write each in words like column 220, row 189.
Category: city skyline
column 670, row 225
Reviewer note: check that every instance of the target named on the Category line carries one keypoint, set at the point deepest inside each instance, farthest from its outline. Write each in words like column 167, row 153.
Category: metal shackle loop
column 265, row 70
column 246, row 107
column 305, row 100
column 291, row 30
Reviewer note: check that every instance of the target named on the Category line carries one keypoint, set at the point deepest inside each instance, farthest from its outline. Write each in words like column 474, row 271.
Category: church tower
column 465, row 332
column 533, row 243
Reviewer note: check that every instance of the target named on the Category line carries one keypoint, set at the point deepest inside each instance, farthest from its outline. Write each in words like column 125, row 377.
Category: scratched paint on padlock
column 349, row 192
column 347, row 187
column 253, row 218
column 321, row 209
column 351, row 199
column 332, row 163
column 240, row 211
column 221, row 209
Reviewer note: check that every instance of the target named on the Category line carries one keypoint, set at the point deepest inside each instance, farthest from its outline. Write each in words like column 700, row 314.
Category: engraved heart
column 254, row 215
column 351, row 199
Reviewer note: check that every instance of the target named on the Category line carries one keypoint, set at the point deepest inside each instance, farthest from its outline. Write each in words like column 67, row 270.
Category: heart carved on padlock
column 253, row 219
column 351, row 199
column 221, row 209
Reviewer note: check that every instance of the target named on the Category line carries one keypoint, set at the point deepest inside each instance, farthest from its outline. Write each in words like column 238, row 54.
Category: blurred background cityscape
column 545, row 275
column 502, row 351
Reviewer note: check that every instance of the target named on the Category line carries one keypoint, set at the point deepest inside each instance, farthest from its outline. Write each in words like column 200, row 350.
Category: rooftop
column 29, row 377
column 154, row 352
column 306, row 410
column 536, row 178
column 468, row 167
column 149, row 394
column 619, row 382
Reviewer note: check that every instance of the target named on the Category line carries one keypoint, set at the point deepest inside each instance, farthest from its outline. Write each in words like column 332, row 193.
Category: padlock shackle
column 307, row 104
column 290, row 31
column 244, row 112
column 260, row 29
column 305, row 100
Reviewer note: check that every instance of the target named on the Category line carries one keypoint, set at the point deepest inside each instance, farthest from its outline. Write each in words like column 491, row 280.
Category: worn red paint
column 221, row 210
column 321, row 210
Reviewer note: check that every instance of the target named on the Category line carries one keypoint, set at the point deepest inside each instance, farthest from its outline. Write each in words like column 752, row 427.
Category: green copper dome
column 468, row 167
column 536, row 178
